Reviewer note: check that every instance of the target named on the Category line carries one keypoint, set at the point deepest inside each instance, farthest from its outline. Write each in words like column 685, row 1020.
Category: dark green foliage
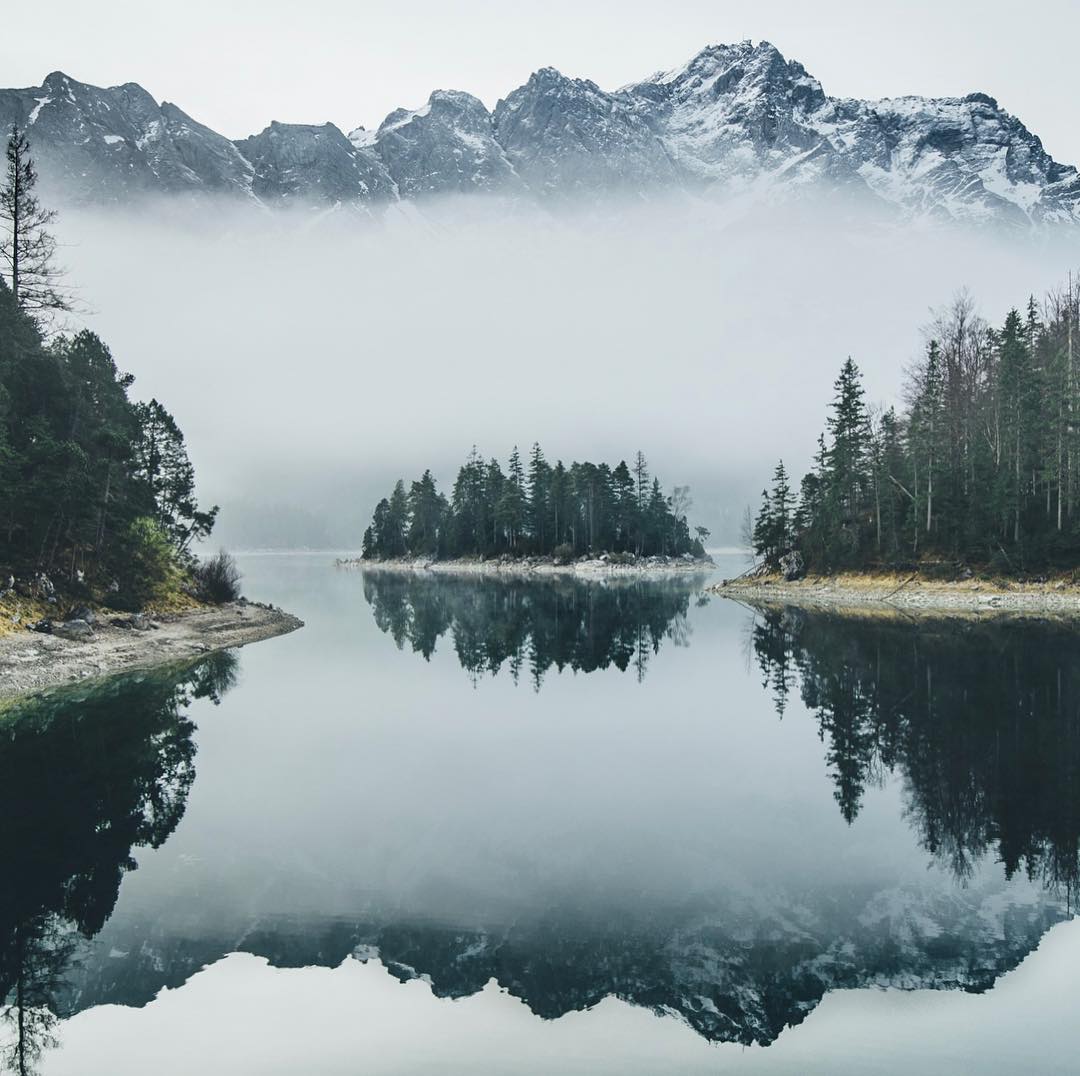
column 552, row 510
column 150, row 570
column 982, row 465
column 92, row 485
column 774, row 526
column 217, row 578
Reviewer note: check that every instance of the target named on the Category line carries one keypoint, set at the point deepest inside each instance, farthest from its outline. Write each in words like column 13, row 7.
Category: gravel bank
column 531, row 566
column 974, row 597
column 32, row 662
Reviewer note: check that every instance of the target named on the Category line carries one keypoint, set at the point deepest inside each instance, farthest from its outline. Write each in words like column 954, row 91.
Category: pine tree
column 539, row 478
column 641, row 496
column 161, row 462
column 28, row 250
column 762, row 533
column 626, row 507
column 782, row 510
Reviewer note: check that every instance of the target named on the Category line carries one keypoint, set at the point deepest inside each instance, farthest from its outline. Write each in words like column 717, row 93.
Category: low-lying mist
column 313, row 359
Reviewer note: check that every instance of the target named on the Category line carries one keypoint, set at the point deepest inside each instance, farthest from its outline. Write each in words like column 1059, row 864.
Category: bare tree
column 28, row 248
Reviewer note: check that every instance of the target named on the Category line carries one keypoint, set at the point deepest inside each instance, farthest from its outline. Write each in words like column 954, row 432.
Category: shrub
column 217, row 579
column 150, row 572
column 563, row 554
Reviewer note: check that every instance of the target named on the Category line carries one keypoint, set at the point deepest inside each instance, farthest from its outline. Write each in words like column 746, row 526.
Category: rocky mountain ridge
column 737, row 122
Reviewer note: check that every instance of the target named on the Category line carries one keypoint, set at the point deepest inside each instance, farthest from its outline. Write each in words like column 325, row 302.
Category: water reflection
column 530, row 625
column 525, row 852
column 736, row 967
column 85, row 778
column 981, row 718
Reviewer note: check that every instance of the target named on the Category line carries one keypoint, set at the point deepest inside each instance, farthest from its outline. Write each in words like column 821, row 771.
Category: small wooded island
column 536, row 517
column 974, row 482
column 98, row 493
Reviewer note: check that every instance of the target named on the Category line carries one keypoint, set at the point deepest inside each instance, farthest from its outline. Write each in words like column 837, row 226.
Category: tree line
column 980, row 463
column 96, row 488
column 535, row 509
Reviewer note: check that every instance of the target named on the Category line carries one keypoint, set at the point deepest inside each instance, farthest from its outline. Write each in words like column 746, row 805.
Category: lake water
column 458, row 825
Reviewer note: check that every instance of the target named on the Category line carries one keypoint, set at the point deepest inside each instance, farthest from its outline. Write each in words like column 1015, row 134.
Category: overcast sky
column 237, row 65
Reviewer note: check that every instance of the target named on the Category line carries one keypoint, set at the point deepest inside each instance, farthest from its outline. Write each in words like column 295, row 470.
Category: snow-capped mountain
column 298, row 161
column 448, row 145
column 736, row 120
column 566, row 136
column 104, row 145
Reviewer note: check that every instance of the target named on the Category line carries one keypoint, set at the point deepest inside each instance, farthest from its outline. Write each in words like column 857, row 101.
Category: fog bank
column 311, row 360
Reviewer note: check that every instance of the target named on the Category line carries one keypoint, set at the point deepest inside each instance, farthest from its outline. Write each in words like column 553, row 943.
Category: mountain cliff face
column 736, row 120
column 105, row 145
column 302, row 162
column 567, row 136
column 448, row 146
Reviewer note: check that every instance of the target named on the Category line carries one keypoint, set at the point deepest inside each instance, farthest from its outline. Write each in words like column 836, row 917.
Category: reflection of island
column 981, row 718
column 533, row 625
column 85, row 777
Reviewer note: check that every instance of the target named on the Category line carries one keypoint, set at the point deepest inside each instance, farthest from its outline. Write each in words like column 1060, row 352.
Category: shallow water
column 481, row 826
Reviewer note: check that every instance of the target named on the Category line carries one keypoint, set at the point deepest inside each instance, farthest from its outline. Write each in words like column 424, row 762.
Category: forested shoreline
column 979, row 466
column 536, row 510
column 97, row 489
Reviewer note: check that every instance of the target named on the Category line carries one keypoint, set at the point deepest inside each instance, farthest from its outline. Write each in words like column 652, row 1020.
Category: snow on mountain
column 304, row 162
column 961, row 158
column 735, row 122
column 567, row 136
column 446, row 146
column 103, row 145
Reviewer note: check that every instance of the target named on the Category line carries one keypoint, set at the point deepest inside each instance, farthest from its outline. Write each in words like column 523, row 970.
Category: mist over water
column 313, row 359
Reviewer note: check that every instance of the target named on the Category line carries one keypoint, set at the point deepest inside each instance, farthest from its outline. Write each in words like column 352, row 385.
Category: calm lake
column 483, row 826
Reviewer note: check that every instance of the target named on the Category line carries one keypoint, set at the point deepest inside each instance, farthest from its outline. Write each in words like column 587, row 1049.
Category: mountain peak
column 737, row 120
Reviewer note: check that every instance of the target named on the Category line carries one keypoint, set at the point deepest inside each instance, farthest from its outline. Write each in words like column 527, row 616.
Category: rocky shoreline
column 911, row 596
column 31, row 661
column 604, row 566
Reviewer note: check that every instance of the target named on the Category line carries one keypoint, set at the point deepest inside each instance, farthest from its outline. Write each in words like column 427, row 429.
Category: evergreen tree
column 28, row 250
column 581, row 509
column 539, row 478
column 426, row 508
column 161, row 463
column 981, row 464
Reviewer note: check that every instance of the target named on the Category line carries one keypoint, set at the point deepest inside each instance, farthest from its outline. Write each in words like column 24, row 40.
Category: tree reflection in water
column 85, row 777
column 981, row 718
column 533, row 625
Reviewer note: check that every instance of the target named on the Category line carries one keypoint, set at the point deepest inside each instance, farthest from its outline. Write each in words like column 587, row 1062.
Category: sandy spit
column 32, row 662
